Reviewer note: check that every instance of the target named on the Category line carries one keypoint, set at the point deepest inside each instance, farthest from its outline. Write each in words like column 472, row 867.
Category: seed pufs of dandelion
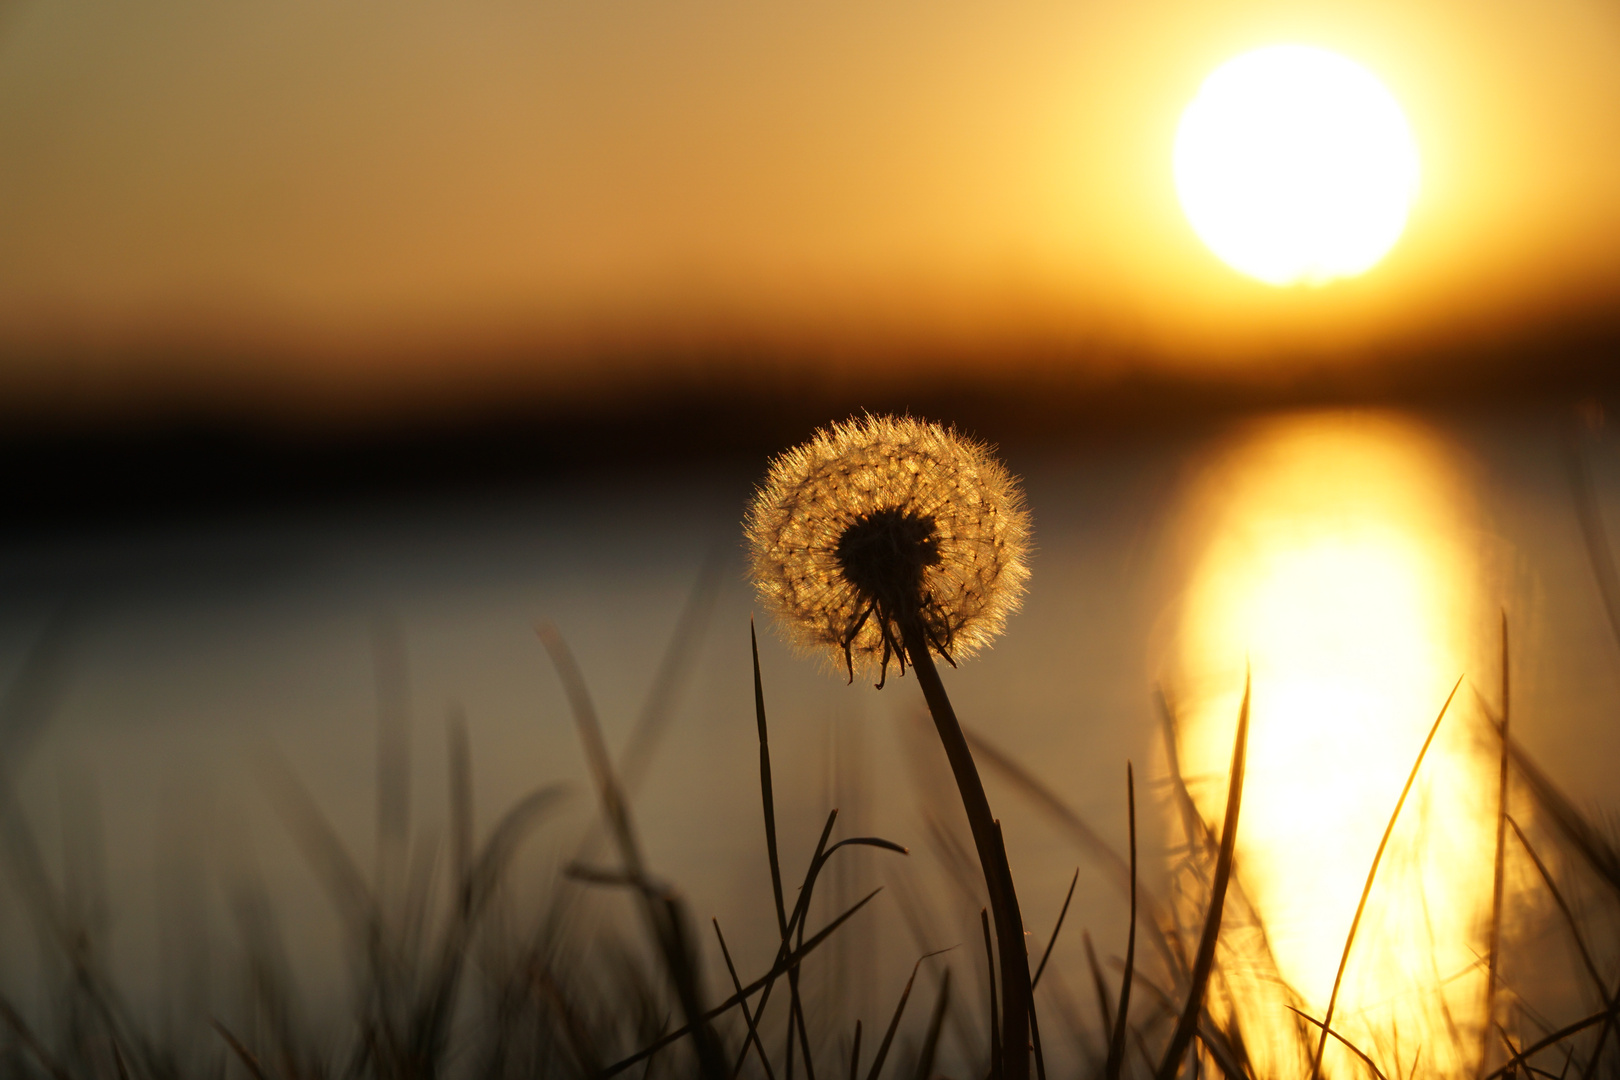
column 881, row 520
column 890, row 538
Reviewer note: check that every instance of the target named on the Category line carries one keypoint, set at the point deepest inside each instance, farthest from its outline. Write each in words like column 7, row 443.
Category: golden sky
column 313, row 193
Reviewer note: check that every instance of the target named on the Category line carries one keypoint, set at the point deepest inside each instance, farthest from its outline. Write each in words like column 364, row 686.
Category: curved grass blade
column 776, row 972
column 1204, row 960
column 936, row 1024
column 1352, row 1047
column 243, row 1054
column 1035, row 980
column 1551, row 1040
column 767, row 796
column 664, row 920
column 1372, row 873
column 894, row 1021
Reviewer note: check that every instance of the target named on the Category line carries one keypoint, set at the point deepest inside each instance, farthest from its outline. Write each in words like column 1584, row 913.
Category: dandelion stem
column 1009, row 924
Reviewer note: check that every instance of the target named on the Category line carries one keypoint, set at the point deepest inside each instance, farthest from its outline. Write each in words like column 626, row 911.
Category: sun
column 1295, row 165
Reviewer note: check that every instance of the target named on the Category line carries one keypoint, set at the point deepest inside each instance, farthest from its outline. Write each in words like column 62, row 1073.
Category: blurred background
column 341, row 345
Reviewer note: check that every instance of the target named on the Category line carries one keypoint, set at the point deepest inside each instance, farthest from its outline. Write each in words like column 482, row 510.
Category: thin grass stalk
column 1602, row 1040
column 776, row 972
column 1563, row 906
column 995, row 1013
column 1197, row 830
column 663, row 920
column 1577, row 831
column 1220, row 1054
column 894, row 1021
column 1035, row 1040
column 1352, row 1047
column 767, row 795
column 1565, row 1032
column 243, row 1054
column 1493, row 941
column 1056, row 929
column 1372, row 874
column 801, row 909
column 801, row 913
column 1116, row 1042
column 855, row 1054
column 1099, row 985
column 1203, row 961
column 1013, row 1063
column 1608, row 998
column 748, row 1017
column 1084, row 835
column 936, row 1024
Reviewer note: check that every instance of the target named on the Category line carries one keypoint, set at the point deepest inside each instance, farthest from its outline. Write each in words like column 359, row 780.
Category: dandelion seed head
column 880, row 518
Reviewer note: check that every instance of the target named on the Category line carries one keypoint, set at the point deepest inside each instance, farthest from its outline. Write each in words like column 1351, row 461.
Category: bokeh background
column 341, row 345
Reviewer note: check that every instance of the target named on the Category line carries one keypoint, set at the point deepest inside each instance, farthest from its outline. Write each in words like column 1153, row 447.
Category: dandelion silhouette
column 889, row 538
column 881, row 521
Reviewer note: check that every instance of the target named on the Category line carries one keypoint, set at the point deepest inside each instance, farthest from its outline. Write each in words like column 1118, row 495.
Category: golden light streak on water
column 1339, row 559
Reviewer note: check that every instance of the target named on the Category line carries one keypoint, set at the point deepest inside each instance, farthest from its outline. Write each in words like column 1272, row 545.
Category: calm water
column 1357, row 563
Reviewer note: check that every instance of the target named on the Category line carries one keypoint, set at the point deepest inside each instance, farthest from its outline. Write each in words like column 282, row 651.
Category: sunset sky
column 312, row 198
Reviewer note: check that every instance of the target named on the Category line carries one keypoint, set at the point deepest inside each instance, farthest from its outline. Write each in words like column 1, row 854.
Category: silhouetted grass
column 455, row 977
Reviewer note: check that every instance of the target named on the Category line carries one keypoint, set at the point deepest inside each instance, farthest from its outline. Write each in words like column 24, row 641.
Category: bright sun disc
column 1294, row 165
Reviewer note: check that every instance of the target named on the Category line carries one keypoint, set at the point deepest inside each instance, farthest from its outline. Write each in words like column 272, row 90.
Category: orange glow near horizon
column 298, row 179
column 1338, row 565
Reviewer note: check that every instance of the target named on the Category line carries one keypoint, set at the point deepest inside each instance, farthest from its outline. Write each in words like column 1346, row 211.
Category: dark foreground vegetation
column 456, row 975
column 455, row 979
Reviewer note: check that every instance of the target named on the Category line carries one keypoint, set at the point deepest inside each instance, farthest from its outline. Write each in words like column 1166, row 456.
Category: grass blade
column 245, row 1055
column 1372, row 873
column 777, row 970
column 1556, row 1037
column 664, row 920
column 1084, row 836
column 1577, row 831
column 1587, row 962
column 767, row 795
column 1352, row 1047
column 894, row 1021
column 1494, row 937
column 1116, row 1042
column 1204, row 960
column 748, row 1017
column 1099, row 984
column 936, row 1024
column 1035, row 980
column 995, row 1014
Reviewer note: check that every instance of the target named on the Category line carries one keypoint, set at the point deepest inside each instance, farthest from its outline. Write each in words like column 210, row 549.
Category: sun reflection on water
column 1338, row 564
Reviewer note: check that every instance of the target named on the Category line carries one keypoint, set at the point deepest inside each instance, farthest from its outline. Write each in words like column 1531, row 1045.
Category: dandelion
column 889, row 538
column 883, row 520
